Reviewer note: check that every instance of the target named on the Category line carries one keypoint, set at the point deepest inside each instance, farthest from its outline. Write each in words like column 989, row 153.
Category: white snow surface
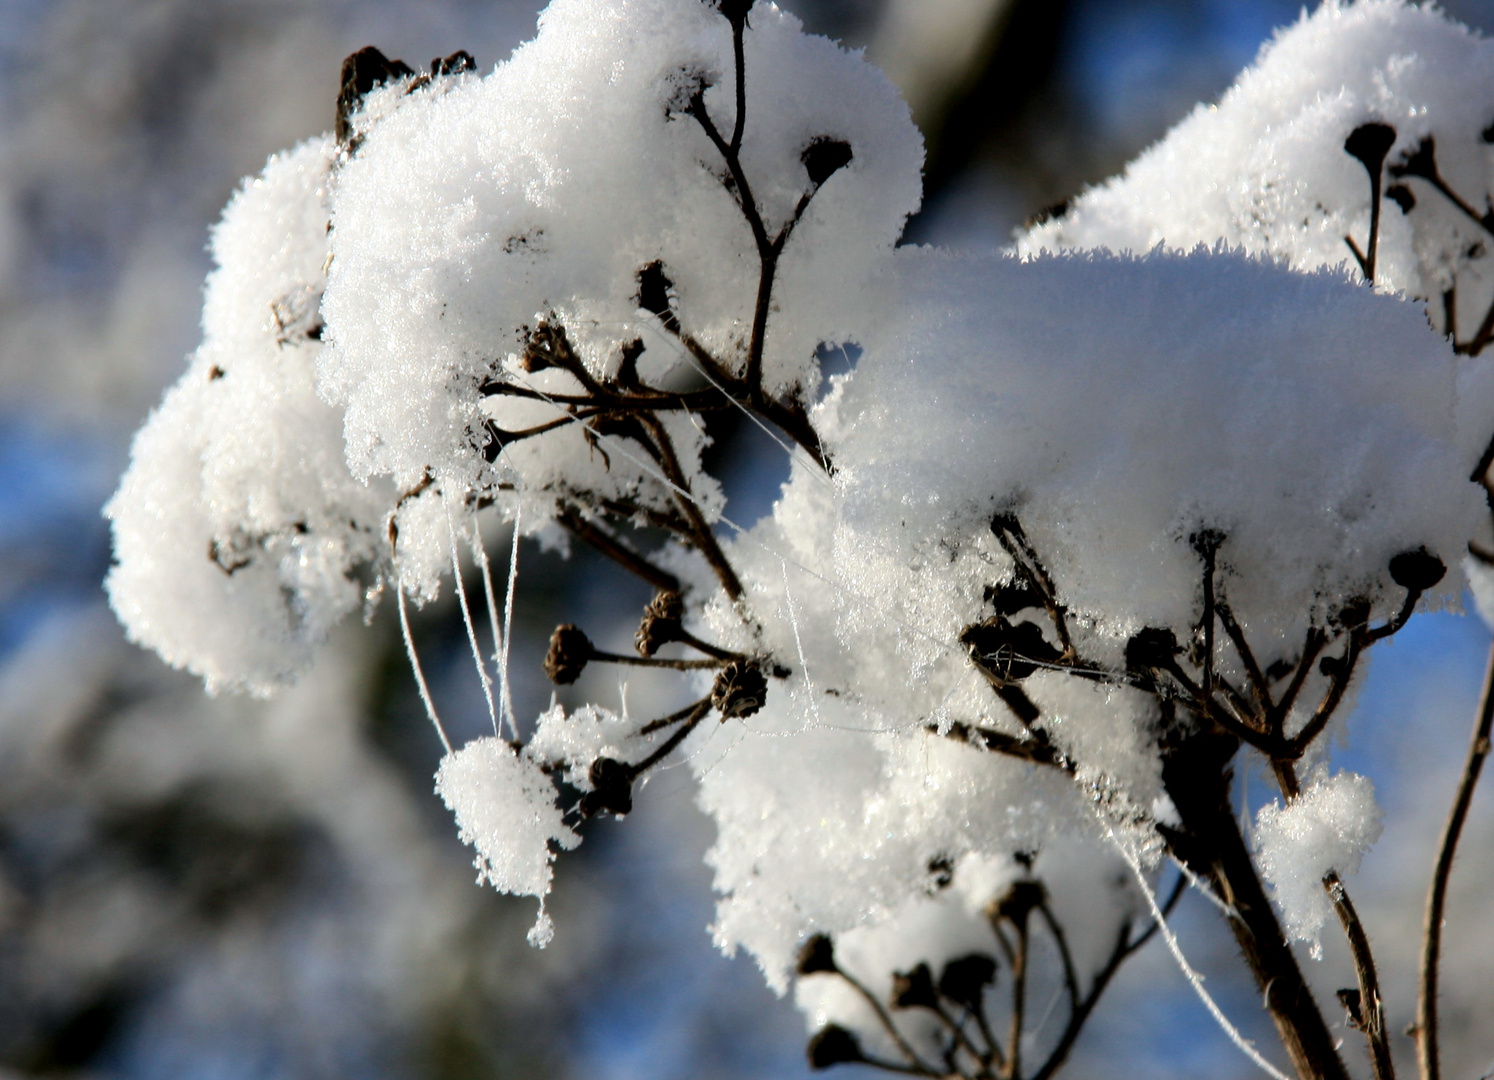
column 1265, row 168
column 1328, row 827
column 483, row 206
column 238, row 530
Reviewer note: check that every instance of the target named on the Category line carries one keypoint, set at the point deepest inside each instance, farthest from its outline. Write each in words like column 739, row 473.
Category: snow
column 239, row 534
column 505, row 808
column 1328, row 827
column 1185, row 354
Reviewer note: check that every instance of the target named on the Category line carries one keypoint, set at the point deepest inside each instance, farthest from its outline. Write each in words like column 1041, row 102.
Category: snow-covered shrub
column 1077, row 529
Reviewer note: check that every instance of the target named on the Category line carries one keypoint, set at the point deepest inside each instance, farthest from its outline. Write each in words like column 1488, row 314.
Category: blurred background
column 232, row 889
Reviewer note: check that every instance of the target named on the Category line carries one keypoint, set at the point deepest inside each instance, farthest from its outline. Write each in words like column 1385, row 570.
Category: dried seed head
column 964, row 979
column 1006, row 652
column 817, row 955
column 1151, row 647
column 1422, row 162
column 1370, row 143
column 914, row 989
column 611, row 789
column 661, row 622
column 833, row 1045
column 740, row 690
column 1417, row 571
column 569, row 651
column 455, row 64
column 1017, row 902
column 361, row 72
column 825, row 157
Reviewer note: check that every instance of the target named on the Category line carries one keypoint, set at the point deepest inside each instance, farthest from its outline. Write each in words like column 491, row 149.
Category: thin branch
column 701, row 536
column 1311, row 647
column 616, row 550
column 904, row 1047
column 1070, row 977
column 1431, row 949
column 666, row 721
column 1036, row 751
column 692, row 718
column 1123, row 949
column 1372, row 1006
column 654, row 661
column 1019, row 1002
column 1258, row 682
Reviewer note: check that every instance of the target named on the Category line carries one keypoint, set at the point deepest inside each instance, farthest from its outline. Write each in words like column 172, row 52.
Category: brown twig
column 1431, row 948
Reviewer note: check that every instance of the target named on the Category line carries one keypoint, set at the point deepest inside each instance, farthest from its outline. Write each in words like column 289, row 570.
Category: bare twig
column 1431, row 948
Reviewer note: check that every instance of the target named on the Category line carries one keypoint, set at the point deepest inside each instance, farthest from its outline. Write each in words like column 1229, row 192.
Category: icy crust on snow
column 1265, row 169
column 1117, row 405
column 238, row 530
column 505, row 808
column 482, row 207
column 1328, row 827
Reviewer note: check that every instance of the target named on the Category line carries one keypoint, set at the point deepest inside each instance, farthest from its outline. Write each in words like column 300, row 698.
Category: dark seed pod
column 735, row 10
column 914, row 989
column 661, row 622
column 611, row 789
column 817, row 956
column 1401, row 195
column 1016, row 904
column 1370, row 143
column 1354, row 614
column 1331, row 666
column 825, row 157
column 653, row 289
column 569, row 651
column 1422, row 162
column 833, row 1045
column 740, row 690
column 361, row 72
column 1004, row 652
column 455, row 64
column 1416, row 571
column 1151, row 647
column 964, row 979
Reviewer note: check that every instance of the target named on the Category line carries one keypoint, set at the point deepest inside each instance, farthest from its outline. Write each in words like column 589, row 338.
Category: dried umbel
column 661, row 622
column 740, row 690
column 569, row 651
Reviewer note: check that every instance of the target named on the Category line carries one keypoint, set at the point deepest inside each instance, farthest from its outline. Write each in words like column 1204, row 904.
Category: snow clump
column 239, row 534
column 505, row 808
column 1327, row 828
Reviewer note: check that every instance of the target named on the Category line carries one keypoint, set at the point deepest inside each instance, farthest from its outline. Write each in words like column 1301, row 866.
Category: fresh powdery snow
column 1327, row 828
column 1180, row 398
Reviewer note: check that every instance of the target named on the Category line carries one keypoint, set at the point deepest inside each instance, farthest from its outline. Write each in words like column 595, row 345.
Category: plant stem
column 1431, row 947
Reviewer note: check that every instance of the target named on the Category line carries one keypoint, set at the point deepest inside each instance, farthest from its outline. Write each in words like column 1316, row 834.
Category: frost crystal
column 1328, row 827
